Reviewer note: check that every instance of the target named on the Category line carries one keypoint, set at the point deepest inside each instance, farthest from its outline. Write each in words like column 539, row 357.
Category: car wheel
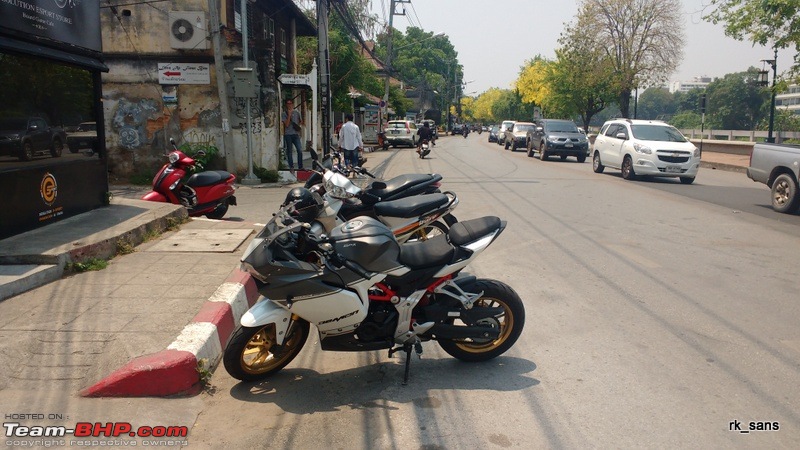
column 785, row 198
column 57, row 148
column 543, row 151
column 581, row 158
column 627, row 169
column 687, row 180
column 597, row 166
column 27, row 151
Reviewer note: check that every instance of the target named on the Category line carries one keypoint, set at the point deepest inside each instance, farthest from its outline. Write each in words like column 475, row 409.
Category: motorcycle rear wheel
column 432, row 230
column 495, row 295
column 220, row 211
column 249, row 355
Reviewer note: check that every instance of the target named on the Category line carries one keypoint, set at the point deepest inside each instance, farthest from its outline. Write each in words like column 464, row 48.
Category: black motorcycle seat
column 402, row 182
column 463, row 233
column 433, row 252
column 411, row 206
column 208, row 178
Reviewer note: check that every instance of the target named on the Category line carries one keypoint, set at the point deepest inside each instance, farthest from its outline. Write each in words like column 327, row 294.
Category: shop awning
column 28, row 48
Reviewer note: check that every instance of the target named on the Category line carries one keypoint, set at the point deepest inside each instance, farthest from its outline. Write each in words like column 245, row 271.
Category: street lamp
column 763, row 79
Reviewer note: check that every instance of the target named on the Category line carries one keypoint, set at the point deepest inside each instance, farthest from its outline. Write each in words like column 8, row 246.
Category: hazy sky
column 495, row 38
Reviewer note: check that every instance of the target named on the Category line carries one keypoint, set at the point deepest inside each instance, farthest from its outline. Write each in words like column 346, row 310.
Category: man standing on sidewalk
column 350, row 141
column 292, row 123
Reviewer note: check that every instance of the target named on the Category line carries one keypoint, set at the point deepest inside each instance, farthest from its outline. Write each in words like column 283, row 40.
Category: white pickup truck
column 777, row 166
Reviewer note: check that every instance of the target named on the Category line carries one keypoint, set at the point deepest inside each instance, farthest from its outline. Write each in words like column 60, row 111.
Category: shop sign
column 68, row 21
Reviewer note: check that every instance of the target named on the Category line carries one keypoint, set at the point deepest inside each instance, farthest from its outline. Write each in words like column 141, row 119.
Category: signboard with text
column 68, row 21
column 183, row 73
column 296, row 79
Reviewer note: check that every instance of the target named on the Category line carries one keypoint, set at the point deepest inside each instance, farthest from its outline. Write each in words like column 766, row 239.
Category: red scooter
column 205, row 194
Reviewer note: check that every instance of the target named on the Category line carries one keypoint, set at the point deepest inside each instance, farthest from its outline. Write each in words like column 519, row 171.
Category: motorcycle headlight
column 336, row 191
column 173, row 157
column 643, row 149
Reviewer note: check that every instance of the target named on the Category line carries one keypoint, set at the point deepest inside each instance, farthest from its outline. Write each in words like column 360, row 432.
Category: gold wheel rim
column 506, row 321
column 256, row 356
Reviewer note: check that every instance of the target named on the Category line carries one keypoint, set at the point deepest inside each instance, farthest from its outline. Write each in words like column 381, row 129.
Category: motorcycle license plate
column 673, row 169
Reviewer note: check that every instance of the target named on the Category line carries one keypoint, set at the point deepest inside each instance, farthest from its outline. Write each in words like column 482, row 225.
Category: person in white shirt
column 350, row 141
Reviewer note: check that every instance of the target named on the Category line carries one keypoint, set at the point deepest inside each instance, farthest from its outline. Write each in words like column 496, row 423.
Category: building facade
column 686, row 86
column 172, row 75
column 789, row 99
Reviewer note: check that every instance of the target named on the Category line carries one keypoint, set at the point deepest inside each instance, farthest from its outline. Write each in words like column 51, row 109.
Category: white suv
column 645, row 148
column 401, row 132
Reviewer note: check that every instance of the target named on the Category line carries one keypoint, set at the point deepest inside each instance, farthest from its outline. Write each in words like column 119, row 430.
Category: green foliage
column 201, row 153
column 686, row 120
column 88, row 265
column 766, row 22
column 266, row 175
column 656, row 103
column 736, row 101
column 142, row 178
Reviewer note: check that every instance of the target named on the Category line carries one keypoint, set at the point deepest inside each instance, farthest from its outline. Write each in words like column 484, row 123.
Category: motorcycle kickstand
column 407, row 348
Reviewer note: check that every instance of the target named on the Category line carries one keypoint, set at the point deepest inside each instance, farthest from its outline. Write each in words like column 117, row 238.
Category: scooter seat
column 403, row 182
column 411, row 206
column 433, row 252
column 463, row 233
column 208, row 178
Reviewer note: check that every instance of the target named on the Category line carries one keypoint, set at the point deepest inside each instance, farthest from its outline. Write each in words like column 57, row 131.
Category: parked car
column 29, row 137
column 401, row 132
column 776, row 165
column 493, row 131
column 501, row 134
column 517, row 134
column 557, row 137
column 85, row 136
column 645, row 148
column 457, row 128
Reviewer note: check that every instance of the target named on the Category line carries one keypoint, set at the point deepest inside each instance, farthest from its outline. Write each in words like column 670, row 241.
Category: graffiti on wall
column 130, row 121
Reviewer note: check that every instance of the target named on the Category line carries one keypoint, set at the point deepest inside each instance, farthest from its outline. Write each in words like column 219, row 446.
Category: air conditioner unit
column 188, row 30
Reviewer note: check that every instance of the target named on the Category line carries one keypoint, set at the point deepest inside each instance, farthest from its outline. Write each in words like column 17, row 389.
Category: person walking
column 350, row 141
column 292, row 125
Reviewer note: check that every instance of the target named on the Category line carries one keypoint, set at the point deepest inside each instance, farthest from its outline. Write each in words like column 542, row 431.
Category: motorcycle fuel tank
column 368, row 242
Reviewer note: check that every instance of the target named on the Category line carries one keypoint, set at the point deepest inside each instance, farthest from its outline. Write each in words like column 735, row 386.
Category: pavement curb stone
column 175, row 370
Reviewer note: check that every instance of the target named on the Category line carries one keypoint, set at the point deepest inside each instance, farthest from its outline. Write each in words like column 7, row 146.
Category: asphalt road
column 659, row 315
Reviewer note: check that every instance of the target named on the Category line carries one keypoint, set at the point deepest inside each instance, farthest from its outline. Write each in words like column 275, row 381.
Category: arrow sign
column 291, row 78
column 183, row 73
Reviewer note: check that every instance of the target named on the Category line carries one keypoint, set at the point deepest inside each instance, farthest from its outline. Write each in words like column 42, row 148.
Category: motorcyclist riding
column 424, row 133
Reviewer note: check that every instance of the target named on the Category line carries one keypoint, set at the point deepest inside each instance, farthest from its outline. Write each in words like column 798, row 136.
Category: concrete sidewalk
column 83, row 328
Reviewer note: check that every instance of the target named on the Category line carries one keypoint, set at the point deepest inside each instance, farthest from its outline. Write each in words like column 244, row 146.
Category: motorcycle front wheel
column 252, row 354
column 495, row 295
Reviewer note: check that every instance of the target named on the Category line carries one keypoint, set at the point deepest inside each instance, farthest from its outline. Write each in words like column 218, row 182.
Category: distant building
column 686, row 86
column 789, row 99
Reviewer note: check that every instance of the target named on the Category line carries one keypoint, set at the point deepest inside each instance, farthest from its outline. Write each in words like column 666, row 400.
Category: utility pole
column 392, row 13
column 324, row 73
column 222, row 91
column 250, row 178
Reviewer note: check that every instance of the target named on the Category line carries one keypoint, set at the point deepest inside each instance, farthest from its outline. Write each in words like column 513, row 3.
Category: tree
column 766, row 22
column 737, row 101
column 656, row 103
column 482, row 108
column 534, row 86
column 643, row 39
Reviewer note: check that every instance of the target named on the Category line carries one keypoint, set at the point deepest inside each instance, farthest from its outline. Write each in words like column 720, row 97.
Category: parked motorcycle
column 465, row 131
column 364, row 291
column 416, row 217
column 207, row 193
column 424, row 148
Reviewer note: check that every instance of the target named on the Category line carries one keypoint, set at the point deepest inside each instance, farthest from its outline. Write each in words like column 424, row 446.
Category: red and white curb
column 175, row 370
